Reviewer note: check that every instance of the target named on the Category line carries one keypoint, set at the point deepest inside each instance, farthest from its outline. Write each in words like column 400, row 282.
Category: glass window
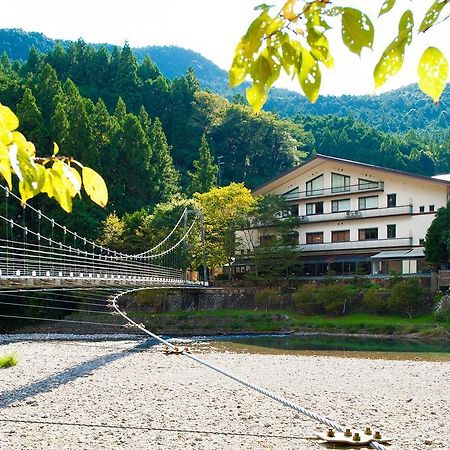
column 391, row 231
column 314, row 238
column 315, row 186
column 291, row 238
column 314, row 208
column 340, row 236
column 340, row 183
column 340, row 205
column 267, row 240
column 366, row 184
column 368, row 202
column 431, row 208
column 391, row 200
column 292, row 210
column 293, row 194
column 421, row 208
column 368, row 233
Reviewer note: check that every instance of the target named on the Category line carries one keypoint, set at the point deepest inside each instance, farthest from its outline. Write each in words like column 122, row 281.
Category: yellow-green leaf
column 391, row 61
column 433, row 72
column 55, row 149
column 357, row 30
column 256, row 96
column 432, row 15
column 59, row 188
column 309, row 76
column 95, row 186
column 288, row 10
column 5, row 166
column 8, row 119
column 386, row 7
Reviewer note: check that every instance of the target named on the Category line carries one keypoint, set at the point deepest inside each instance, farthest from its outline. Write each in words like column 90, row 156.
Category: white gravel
column 104, row 383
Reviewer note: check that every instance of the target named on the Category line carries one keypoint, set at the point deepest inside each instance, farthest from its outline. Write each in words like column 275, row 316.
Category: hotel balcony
column 358, row 214
column 357, row 245
column 332, row 191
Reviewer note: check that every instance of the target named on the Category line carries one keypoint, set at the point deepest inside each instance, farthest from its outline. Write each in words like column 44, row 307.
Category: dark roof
column 355, row 163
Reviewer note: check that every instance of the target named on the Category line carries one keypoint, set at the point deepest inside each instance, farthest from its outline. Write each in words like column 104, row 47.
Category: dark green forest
column 152, row 136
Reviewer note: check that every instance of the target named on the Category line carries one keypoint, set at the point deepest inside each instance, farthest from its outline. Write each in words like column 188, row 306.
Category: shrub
column 8, row 361
column 374, row 301
column 305, row 299
column 265, row 298
column 406, row 297
column 334, row 298
column 442, row 308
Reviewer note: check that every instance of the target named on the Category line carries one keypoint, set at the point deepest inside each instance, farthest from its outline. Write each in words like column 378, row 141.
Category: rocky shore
column 122, row 395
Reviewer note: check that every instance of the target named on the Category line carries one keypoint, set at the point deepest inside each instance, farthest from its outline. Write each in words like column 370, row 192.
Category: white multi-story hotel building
column 355, row 217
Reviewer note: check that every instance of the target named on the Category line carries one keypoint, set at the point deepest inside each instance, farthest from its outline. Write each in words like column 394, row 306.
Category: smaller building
column 353, row 218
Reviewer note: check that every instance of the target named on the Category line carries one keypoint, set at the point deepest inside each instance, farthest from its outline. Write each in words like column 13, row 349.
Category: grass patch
column 8, row 361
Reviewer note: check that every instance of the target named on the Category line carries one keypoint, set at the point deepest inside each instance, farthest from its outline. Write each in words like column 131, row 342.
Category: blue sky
column 211, row 28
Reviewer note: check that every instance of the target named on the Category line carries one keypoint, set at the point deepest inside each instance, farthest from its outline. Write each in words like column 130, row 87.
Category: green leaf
column 319, row 47
column 309, row 76
column 433, row 72
column 391, row 61
column 256, row 96
column 55, row 149
column 59, row 189
column 95, row 186
column 432, row 15
column 291, row 54
column 386, row 7
column 357, row 30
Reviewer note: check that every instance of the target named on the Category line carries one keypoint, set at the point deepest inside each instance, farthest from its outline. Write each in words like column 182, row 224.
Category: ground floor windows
column 365, row 234
column 314, row 238
column 340, row 205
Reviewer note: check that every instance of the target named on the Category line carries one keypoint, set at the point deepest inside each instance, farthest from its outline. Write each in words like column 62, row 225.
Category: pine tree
column 80, row 142
column 30, row 117
column 127, row 82
column 204, row 177
column 144, row 120
column 5, row 61
column 34, row 62
column 59, row 126
column 48, row 89
column 120, row 113
column 148, row 70
column 162, row 163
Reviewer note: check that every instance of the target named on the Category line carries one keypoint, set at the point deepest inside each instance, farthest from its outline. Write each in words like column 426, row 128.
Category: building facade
column 354, row 218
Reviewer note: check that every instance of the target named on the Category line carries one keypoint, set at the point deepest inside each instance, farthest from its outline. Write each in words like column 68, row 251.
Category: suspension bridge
column 44, row 266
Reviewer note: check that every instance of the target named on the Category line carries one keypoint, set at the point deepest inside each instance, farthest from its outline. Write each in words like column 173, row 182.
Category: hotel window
column 315, row 186
column 340, row 183
column 422, row 242
column 290, row 211
column 340, row 205
column 368, row 202
column 267, row 240
column 314, row 238
column 340, row 236
column 421, row 208
column 366, row 184
column 293, row 194
column 291, row 238
column 391, row 231
column 366, row 234
column 391, row 200
column 431, row 208
column 314, row 208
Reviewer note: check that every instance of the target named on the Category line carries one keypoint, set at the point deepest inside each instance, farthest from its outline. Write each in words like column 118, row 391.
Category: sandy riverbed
column 104, row 383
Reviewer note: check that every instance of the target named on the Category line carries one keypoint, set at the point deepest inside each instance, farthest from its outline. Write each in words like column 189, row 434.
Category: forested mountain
column 154, row 139
column 398, row 111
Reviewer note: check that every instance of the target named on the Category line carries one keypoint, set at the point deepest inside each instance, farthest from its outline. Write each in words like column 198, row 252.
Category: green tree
column 120, row 113
column 166, row 176
column 437, row 239
column 31, row 119
column 148, row 70
column 59, row 125
column 112, row 234
column 225, row 210
column 204, row 177
column 406, row 297
column 48, row 90
column 126, row 80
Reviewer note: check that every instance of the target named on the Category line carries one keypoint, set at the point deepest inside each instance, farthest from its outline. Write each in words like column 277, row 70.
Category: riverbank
column 91, row 395
column 229, row 321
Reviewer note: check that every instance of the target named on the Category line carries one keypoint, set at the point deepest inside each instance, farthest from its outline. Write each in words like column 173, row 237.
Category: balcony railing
column 358, row 214
column 338, row 190
column 357, row 245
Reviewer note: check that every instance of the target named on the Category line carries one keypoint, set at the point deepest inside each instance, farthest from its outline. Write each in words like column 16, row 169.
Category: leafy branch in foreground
column 294, row 39
column 55, row 176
